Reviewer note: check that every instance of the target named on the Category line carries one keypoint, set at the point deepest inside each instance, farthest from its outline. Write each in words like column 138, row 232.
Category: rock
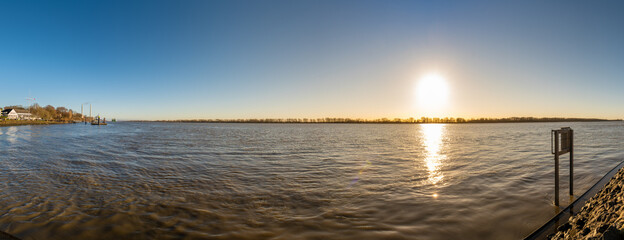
column 619, row 224
column 602, row 217
column 564, row 227
column 612, row 233
column 580, row 222
column 603, row 227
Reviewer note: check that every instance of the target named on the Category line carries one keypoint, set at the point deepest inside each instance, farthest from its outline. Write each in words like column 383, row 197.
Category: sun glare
column 432, row 91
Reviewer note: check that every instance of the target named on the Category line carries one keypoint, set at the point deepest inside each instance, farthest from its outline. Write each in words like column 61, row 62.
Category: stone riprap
column 602, row 217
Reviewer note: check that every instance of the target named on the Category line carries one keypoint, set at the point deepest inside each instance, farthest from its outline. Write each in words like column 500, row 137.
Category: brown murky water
column 289, row 181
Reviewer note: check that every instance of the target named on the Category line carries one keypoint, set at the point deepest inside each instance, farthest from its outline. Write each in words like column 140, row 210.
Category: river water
column 290, row 181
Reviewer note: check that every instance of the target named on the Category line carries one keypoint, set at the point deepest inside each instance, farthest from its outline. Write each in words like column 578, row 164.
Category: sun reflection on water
column 432, row 135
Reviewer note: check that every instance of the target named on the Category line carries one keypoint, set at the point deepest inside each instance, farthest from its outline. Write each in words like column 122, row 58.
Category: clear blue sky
column 265, row 59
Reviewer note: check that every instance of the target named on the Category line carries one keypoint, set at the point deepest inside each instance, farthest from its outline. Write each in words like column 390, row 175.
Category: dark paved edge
column 550, row 227
column 6, row 236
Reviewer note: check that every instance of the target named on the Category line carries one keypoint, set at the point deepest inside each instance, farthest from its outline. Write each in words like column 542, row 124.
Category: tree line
column 49, row 112
column 394, row 120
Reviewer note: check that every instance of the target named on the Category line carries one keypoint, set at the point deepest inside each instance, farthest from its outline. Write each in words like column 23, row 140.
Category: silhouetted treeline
column 387, row 120
column 50, row 112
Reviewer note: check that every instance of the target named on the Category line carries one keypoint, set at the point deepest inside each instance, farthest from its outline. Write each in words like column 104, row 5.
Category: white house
column 21, row 114
column 24, row 114
column 10, row 113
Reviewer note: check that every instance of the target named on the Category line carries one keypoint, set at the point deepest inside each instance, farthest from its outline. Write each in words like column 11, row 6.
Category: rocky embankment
column 602, row 217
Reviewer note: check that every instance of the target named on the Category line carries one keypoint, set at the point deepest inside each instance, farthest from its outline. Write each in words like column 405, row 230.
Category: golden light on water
column 432, row 135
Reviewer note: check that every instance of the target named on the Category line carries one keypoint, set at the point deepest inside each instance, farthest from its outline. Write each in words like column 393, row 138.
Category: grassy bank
column 7, row 123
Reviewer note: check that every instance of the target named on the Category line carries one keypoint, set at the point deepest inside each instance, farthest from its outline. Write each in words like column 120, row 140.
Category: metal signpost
column 562, row 143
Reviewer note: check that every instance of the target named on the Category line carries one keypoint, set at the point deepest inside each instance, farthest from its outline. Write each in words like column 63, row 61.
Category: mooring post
column 556, row 168
column 571, row 162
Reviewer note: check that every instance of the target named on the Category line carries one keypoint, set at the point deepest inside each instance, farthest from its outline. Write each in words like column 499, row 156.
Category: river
column 291, row 181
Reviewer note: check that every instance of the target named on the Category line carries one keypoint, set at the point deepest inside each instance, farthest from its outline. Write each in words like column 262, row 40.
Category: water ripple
column 288, row 181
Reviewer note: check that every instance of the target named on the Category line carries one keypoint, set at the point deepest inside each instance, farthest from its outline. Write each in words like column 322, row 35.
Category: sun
column 432, row 92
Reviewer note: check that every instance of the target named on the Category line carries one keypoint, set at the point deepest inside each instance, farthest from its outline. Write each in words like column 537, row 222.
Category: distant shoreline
column 386, row 121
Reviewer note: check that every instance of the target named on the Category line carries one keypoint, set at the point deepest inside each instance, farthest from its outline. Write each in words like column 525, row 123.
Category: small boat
column 99, row 121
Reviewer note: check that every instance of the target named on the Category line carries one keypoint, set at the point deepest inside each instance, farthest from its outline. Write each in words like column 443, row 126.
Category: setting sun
column 432, row 91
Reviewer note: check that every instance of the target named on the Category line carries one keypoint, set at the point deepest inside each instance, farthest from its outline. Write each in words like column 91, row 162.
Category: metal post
column 571, row 162
column 563, row 143
column 556, row 169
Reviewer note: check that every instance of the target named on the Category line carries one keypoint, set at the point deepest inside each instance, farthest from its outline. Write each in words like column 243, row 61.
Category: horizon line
column 381, row 120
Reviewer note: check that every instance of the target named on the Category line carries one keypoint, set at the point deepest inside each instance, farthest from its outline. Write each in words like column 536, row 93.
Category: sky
column 148, row 60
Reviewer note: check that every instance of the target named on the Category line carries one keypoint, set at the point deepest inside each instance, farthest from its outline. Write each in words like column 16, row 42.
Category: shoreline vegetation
column 387, row 120
column 9, row 123
column 41, row 116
